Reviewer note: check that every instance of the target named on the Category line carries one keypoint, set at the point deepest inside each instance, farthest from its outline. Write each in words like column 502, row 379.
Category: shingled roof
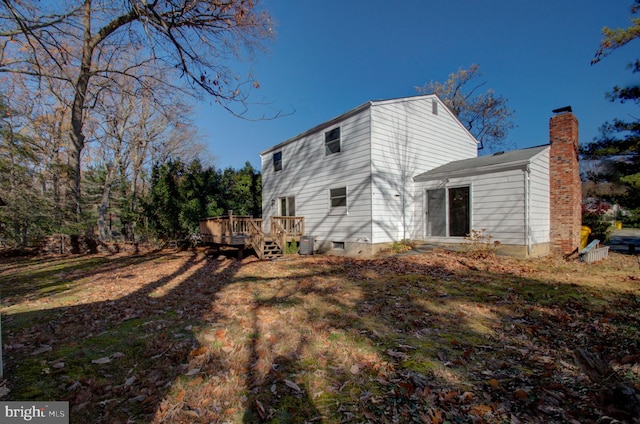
column 483, row 164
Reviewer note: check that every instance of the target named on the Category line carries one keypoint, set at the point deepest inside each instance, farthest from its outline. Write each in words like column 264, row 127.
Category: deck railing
column 237, row 230
column 279, row 235
column 292, row 225
column 256, row 237
column 224, row 229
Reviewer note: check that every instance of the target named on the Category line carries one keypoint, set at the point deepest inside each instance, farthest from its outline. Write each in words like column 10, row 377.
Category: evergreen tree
column 162, row 207
column 244, row 191
column 617, row 150
column 27, row 213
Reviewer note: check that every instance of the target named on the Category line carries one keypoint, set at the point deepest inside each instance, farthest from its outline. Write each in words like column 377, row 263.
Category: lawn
column 175, row 337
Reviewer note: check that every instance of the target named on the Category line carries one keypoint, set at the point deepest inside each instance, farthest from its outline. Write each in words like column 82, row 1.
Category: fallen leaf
column 466, row 397
column 260, row 409
column 193, row 371
column 199, row 351
column 355, row 369
column 480, row 410
column 74, row 386
column 521, row 394
column 293, row 385
column 198, row 381
column 191, row 413
column 41, row 349
column 138, row 398
column 103, row 360
column 4, row 391
column 629, row 359
column 396, row 354
column 450, row 397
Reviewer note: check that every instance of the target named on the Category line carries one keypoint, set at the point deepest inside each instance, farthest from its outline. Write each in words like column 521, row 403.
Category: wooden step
column 271, row 250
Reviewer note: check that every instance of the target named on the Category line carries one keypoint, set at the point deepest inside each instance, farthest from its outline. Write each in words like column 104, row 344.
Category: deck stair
column 271, row 249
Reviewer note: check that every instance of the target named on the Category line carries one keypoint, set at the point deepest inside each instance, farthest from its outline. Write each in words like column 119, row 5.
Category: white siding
column 497, row 205
column 308, row 174
column 539, row 203
column 408, row 139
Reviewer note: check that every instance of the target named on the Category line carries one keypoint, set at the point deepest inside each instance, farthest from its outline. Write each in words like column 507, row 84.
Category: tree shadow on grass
column 276, row 391
column 115, row 360
column 449, row 339
column 36, row 278
column 439, row 337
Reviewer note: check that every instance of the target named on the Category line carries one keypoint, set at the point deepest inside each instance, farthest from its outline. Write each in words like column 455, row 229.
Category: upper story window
column 277, row 161
column 338, row 200
column 332, row 141
column 434, row 106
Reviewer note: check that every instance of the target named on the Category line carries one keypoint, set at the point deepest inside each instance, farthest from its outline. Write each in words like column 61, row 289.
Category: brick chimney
column 565, row 183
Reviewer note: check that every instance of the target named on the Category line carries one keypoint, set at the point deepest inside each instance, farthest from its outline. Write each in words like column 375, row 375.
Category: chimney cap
column 562, row 109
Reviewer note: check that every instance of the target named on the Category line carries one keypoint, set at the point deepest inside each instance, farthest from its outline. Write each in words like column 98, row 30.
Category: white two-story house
column 407, row 169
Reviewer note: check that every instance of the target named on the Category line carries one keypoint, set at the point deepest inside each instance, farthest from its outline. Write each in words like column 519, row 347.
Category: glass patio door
column 436, row 213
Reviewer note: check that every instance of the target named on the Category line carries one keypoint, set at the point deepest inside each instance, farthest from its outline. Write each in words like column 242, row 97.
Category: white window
column 332, row 141
column 277, row 161
column 338, row 200
column 287, row 206
column 449, row 212
column 434, row 107
column 337, row 245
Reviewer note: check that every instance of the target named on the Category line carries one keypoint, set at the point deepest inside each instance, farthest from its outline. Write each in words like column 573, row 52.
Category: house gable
column 383, row 144
column 408, row 136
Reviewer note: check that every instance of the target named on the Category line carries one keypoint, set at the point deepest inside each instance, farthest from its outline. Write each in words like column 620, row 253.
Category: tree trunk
column 76, row 133
column 104, row 231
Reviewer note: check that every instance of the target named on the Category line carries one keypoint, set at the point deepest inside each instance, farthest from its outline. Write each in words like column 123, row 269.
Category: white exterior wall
column 497, row 205
column 408, row 139
column 539, row 200
column 308, row 174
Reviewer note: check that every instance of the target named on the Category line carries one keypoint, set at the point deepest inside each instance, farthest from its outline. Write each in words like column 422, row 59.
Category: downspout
column 371, row 240
column 527, row 208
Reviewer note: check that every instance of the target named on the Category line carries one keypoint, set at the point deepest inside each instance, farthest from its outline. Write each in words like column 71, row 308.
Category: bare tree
column 485, row 114
column 77, row 42
column 137, row 125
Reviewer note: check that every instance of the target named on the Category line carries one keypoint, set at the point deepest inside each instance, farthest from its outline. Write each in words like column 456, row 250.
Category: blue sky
column 333, row 55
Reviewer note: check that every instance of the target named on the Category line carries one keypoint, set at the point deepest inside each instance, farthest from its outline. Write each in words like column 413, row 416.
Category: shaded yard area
column 182, row 337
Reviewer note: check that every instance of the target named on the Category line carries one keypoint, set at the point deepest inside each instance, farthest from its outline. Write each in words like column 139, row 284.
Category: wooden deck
column 242, row 232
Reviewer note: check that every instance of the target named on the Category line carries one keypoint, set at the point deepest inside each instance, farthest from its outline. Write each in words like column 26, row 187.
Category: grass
column 442, row 336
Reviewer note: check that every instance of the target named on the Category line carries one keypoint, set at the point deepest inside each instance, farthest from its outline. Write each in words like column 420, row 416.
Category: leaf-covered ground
column 428, row 338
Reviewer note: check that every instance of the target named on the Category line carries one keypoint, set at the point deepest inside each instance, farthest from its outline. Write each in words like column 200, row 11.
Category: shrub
column 631, row 218
column 292, row 248
column 481, row 242
column 600, row 229
column 402, row 246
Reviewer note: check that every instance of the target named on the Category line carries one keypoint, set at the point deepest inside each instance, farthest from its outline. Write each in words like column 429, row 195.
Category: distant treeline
column 165, row 203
